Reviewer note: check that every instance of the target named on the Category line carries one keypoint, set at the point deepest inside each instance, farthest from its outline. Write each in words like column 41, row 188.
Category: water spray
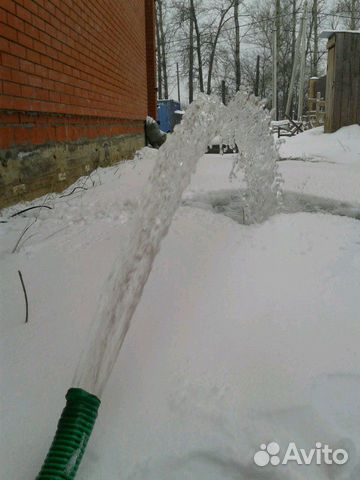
column 240, row 122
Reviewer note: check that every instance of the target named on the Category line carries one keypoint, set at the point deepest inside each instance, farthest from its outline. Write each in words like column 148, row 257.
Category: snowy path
column 244, row 334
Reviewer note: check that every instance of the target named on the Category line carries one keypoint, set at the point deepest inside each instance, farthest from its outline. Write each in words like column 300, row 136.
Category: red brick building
column 72, row 71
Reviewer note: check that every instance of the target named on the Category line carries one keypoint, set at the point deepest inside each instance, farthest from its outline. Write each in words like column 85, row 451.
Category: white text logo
column 321, row 454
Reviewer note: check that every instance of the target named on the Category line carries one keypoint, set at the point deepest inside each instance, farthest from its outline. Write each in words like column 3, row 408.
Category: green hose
column 72, row 435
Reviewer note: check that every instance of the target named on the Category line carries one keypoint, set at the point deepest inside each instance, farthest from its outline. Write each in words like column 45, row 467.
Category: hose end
column 72, row 435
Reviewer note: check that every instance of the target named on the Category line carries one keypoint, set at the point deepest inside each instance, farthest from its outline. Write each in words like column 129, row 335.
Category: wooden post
column 312, row 93
column 317, row 107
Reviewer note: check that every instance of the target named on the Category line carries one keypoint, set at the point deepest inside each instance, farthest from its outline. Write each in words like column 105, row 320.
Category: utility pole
column 302, row 65
column 257, row 76
column 178, row 80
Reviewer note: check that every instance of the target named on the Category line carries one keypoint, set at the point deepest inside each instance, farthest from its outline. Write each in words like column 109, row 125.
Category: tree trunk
column 191, row 60
column 277, row 43
column 295, row 66
column 158, row 56
column 353, row 15
column 257, row 76
column 163, row 52
column 293, row 31
column 213, row 50
column 315, row 13
column 237, row 46
column 198, row 45
column 302, row 64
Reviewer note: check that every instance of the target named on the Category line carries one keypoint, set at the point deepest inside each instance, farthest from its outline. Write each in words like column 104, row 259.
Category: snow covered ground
column 244, row 334
column 323, row 164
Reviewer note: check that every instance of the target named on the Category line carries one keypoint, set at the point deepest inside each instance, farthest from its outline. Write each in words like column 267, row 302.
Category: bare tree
column 158, row 57
column 206, row 43
column 315, row 23
column 162, row 47
column 191, row 60
column 213, row 43
column 198, row 44
column 349, row 10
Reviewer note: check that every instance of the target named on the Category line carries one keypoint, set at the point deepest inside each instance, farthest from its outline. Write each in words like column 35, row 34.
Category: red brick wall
column 151, row 57
column 74, row 68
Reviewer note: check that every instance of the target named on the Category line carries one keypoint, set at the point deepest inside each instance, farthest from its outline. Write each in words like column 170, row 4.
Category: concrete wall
column 29, row 173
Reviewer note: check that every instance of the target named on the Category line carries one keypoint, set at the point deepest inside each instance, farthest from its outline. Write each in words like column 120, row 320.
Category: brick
column 25, row 40
column 38, row 23
column 3, row 15
column 4, row 44
column 41, row 71
column 8, row 5
column 39, row 47
column 33, row 56
column 9, row 118
column 22, row 136
column 27, row 91
column 44, row 14
column 60, row 15
column 42, row 94
column 6, row 137
column 54, row 97
column 36, row 81
column 27, row 66
column 9, row 32
column 75, row 52
column 9, row 60
column 10, row 88
column 45, row 38
column 17, row 50
column 32, row 31
column 19, row 77
column 56, row 44
column 46, row 61
column 23, row 14
column 5, row 73
column 31, row 5
column 15, row 22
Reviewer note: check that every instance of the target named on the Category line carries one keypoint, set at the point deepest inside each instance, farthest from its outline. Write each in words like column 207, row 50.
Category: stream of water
column 243, row 122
